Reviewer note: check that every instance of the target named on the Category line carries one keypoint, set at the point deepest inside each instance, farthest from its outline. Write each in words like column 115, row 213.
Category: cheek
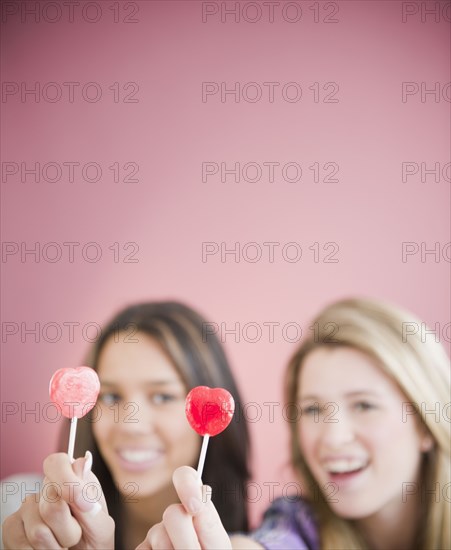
column 308, row 434
column 184, row 443
column 391, row 435
column 103, row 424
column 180, row 434
column 172, row 425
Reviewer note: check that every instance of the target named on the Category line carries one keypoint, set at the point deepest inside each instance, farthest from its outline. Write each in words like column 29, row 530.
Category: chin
column 138, row 483
column 353, row 511
column 132, row 490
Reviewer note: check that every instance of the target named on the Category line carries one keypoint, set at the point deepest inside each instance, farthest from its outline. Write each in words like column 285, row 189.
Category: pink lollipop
column 74, row 391
column 209, row 411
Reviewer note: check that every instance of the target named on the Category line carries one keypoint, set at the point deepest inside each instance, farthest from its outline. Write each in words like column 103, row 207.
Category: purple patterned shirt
column 288, row 524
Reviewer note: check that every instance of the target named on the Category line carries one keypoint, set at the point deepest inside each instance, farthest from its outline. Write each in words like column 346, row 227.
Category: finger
column 75, row 481
column 38, row 533
column 179, row 527
column 242, row 542
column 81, row 489
column 189, row 488
column 156, row 539
column 56, row 514
column 207, row 523
column 83, row 468
column 13, row 531
column 209, row 528
column 98, row 526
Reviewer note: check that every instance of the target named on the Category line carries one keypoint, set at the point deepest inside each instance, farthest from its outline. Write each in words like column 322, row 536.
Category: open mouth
column 344, row 469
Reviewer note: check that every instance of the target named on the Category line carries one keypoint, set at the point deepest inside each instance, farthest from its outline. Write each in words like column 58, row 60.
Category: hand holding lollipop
column 209, row 411
column 74, row 391
column 71, row 517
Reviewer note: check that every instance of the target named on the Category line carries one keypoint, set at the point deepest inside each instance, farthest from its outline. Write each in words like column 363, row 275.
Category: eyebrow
column 347, row 394
column 107, row 383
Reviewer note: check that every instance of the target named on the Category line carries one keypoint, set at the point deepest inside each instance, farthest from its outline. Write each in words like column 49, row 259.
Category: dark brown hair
column 200, row 360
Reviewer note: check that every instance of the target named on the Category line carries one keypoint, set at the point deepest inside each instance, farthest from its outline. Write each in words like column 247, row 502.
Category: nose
column 337, row 429
column 136, row 417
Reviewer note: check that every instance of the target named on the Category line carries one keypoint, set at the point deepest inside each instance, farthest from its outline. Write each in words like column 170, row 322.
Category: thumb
column 74, row 482
column 89, row 498
column 197, row 502
column 81, row 490
column 90, row 508
column 189, row 489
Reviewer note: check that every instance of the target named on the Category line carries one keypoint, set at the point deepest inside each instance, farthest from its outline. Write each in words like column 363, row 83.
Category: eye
column 311, row 410
column 363, row 406
column 109, row 398
column 162, row 398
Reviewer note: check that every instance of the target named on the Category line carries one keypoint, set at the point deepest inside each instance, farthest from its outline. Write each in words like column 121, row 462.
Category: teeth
column 344, row 465
column 138, row 456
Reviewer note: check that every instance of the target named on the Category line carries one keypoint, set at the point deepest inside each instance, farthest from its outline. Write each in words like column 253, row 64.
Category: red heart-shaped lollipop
column 209, row 410
column 75, row 390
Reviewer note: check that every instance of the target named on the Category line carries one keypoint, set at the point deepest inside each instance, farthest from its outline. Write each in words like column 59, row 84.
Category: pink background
column 169, row 132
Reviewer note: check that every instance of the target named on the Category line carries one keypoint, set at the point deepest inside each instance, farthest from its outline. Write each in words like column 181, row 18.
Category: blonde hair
column 420, row 367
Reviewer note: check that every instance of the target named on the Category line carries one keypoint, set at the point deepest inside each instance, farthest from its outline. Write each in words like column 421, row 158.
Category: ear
column 426, row 443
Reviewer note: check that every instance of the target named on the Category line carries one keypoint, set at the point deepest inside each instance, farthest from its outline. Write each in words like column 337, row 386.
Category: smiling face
column 142, row 431
column 353, row 435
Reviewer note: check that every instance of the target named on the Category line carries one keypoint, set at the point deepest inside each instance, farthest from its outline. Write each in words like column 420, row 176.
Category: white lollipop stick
column 203, row 454
column 73, row 431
